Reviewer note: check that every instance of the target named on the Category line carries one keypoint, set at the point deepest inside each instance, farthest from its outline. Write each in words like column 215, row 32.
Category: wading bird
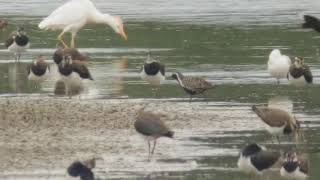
column 278, row 122
column 294, row 167
column 278, row 65
column 62, row 52
column 3, row 24
column 192, row 85
column 18, row 42
column 299, row 73
column 257, row 159
column 38, row 70
column 153, row 71
column 74, row 15
column 152, row 127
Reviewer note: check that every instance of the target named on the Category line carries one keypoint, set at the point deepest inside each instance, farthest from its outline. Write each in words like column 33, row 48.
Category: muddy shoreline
column 49, row 133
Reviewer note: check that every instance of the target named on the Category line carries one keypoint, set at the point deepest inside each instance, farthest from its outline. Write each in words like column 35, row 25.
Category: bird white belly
column 154, row 80
column 34, row 77
column 18, row 49
column 297, row 174
column 279, row 71
column 244, row 164
column 73, row 78
column 297, row 82
column 275, row 130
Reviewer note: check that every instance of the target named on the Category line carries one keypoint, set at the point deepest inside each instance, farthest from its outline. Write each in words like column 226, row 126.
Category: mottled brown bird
column 299, row 73
column 152, row 127
column 3, row 24
column 192, row 85
column 62, row 52
column 277, row 121
column 68, row 66
column 294, row 167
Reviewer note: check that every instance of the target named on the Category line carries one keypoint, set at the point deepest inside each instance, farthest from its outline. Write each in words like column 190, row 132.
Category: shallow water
column 226, row 41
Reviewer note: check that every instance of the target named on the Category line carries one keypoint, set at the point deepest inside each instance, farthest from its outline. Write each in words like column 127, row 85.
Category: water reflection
column 281, row 102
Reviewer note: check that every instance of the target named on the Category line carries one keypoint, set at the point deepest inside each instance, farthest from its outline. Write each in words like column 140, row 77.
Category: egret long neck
column 98, row 17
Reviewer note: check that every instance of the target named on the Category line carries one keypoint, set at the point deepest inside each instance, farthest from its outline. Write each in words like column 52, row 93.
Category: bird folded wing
column 265, row 159
column 273, row 117
column 307, row 74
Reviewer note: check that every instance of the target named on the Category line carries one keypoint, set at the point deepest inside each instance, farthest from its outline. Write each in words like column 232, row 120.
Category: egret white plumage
column 278, row 65
column 74, row 15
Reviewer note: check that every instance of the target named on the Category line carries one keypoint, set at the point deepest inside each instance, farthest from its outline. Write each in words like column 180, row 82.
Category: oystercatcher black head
column 256, row 159
column 294, row 167
column 192, row 85
column 152, row 127
column 38, row 70
column 278, row 122
column 17, row 42
column 82, row 169
column 299, row 73
column 311, row 22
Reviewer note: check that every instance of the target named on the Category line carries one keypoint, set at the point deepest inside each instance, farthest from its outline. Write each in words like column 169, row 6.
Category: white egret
column 278, row 65
column 74, row 15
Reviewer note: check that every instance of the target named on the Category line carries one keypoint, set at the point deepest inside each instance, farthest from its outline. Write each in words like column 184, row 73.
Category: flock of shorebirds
column 72, row 67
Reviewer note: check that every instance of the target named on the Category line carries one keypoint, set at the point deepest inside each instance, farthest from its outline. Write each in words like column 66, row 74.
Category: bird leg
column 19, row 55
column 190, row 98
column 154, row 146
column 148, row 149
column 278, row 139
column 60, row 38
column 73, row 36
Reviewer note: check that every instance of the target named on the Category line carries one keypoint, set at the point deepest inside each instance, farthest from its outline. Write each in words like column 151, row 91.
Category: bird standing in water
column 192, row 85
column 153, row 72
column 256, row 159
column 152, row 127
column 277, row 121
column 299, row 73
column 74, row 15
column 278, row 65
column 294, row 167
column 17, row 43
column 38, row 70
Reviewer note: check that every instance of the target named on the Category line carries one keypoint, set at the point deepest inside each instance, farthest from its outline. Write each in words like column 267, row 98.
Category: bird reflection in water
column 120, row 66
